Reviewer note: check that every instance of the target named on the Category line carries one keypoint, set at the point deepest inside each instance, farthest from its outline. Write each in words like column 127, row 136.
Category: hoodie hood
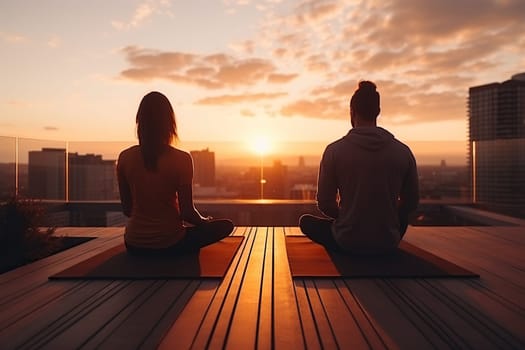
column 370, row 138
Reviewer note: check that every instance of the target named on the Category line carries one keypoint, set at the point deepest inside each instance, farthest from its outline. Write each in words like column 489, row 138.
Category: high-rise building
column 91, row 178
column 47, row 174
column 204, row 167
column 497, row 144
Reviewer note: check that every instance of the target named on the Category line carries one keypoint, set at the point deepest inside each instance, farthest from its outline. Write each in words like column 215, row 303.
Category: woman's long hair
column 156, row 127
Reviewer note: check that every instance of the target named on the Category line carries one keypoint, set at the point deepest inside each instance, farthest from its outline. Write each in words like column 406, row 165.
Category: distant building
column 91, row 178
column 303, row 191
column 47, row 174
column 276, row 184
column 204, row 168
column 7, row 180
column 301, row 163
column 497, row 143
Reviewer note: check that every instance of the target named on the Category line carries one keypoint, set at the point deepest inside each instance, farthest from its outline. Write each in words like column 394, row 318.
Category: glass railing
column 85, row 171
column 234, row 180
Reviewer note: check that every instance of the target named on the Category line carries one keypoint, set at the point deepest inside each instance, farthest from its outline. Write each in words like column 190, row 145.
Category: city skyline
column 51, row 175
column 232, row 153
column 236, row 70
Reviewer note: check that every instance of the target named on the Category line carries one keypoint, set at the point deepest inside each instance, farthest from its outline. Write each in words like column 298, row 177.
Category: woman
column 155, row 183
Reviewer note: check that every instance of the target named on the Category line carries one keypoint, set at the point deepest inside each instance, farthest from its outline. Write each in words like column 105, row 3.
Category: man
column 367, row 185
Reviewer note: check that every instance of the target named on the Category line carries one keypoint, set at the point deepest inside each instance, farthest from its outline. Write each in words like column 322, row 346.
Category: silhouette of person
column 367, row 185
column 155, row 184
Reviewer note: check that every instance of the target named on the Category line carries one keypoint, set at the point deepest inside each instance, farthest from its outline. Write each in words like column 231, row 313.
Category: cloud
column 54, row 42
column 321, row 108
column 51, row 128
column 247, row 113
column 422, row 54
column 236, row 99
column 142, row 12
column 17, row 103
column 12, row 38
column 244, row 72
column 281, row 78
column 208, row 71
column 317, row 10
column 317, row 63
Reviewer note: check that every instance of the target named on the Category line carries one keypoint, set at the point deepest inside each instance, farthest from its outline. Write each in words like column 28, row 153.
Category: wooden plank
column 373, row 337
column 102, row 232
column 512, row 234
column 471, row 257
column 58, row 258
column 287, row 332
column 146, row 319
column 10, row 276
column 241, row 330
column 37, row 278
column 343, row 324
column 312, row 313
column 324, row 329
column 221, row 305
column 496, row 248
column 81, row 324
column 309, row 328
column 31, row 302
column 492, row 247
column 240, row 231
column 461, row 252
column 183, row 331
column 264, row 339
column 293, row 231
column 448, row 323
column 491, row 276
column 156, row 335
column 35, row 326
column 396, row 322
column 501, row 322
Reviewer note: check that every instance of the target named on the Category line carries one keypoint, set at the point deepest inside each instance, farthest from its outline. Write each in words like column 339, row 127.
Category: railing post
column 67, row 173
column 16, row 167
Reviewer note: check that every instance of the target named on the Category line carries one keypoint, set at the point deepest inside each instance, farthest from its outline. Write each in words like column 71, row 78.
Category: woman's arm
column 185, row 194
column 187, row 209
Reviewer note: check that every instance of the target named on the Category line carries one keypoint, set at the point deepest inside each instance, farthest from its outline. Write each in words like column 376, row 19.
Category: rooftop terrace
column 258, row 304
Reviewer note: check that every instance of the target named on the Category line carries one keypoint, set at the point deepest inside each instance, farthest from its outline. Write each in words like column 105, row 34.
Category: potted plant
column 22, row 236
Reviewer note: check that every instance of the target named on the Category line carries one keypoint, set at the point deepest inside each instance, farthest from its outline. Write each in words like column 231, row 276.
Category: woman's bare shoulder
column 178, row 153
column 129, row 151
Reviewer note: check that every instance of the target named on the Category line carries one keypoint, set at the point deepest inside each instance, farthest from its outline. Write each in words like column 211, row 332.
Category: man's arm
column 409, row 196
column 327, row 186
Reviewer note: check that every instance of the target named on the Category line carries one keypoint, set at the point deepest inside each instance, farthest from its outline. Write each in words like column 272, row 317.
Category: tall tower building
column 47, row 174
column 497, row 144
column 204, row 167
column 91, row 178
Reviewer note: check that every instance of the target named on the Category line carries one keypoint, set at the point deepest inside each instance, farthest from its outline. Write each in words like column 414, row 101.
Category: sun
column 261, row 145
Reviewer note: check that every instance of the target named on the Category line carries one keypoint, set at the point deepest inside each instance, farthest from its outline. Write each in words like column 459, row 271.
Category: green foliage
column 22, row 238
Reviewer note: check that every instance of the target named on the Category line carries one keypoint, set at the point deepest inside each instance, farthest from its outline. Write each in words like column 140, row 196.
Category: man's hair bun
column 367, row 85
column 365, row 101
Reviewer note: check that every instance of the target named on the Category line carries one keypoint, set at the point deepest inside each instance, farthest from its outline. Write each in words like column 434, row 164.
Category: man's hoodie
column 370, row 171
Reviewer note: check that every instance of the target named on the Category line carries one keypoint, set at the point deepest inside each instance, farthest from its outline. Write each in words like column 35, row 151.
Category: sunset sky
column 236, row 69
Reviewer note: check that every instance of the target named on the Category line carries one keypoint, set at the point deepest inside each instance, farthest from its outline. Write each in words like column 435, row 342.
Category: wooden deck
column 259, row 305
